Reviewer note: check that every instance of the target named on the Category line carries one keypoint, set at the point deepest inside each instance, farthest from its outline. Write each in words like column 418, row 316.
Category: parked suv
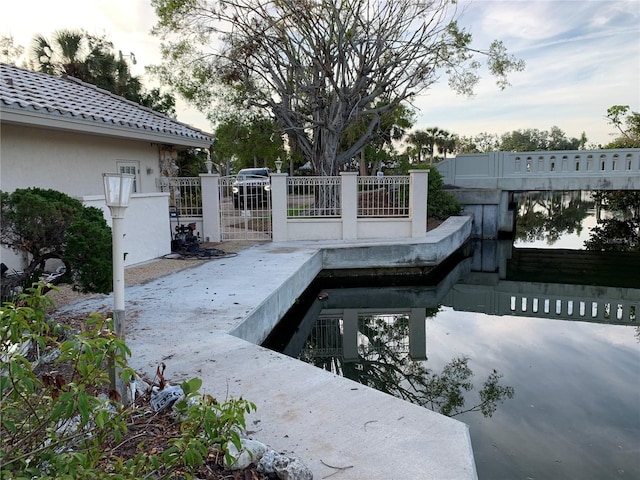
column 251, row 188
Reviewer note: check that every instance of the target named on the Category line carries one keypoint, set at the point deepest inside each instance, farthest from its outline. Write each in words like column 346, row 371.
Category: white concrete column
column 418, row 334
column 506, row 221
column 418, row 186
column 349, row 202
column 350, row 335
column 279, row 230
column 210, row 185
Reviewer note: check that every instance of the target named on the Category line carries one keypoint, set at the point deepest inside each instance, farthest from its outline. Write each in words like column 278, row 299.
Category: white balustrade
column 548, row 170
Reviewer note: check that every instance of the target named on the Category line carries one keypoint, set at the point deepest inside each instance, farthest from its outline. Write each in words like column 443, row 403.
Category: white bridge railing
column 617, row 169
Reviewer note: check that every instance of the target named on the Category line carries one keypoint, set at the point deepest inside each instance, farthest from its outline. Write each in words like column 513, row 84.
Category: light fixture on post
column 278, row 165
column 208, row 163
column 117, row 190
column 131, row 56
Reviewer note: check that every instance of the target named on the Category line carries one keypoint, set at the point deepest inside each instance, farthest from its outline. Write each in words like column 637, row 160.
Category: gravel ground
column 149, row 271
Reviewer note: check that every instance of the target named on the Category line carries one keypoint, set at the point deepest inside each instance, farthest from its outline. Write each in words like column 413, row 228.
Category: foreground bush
column 47, row 224
column 440, row 203
column 56, row 424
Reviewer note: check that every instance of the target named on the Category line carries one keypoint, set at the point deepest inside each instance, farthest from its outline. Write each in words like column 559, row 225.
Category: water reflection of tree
column 621, row 232
column 549, row 215
column 384, row 364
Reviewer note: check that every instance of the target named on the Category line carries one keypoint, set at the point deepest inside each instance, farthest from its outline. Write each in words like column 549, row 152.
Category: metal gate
column 245, row 209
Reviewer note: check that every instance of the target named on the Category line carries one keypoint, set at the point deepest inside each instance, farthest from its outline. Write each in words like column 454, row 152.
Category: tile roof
column 26, row 91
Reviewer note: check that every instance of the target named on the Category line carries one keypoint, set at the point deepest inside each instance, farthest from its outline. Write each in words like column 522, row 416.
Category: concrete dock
column 207, row 322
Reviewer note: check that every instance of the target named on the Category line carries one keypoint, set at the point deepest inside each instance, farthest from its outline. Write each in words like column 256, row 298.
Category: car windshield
column 249, row 174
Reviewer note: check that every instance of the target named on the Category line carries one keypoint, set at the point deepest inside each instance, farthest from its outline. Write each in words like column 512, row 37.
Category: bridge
column 616, row 169
column 484, row 183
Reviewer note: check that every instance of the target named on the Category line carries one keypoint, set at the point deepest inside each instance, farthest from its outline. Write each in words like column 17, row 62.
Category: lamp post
column 117, row 190
column 278, row 165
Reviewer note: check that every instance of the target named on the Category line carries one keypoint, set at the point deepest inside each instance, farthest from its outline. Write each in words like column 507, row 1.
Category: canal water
column 546, row 374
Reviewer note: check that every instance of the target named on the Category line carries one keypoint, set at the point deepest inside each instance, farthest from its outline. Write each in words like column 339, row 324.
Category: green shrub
column 52, row 426
column 62, row 425
column 89, row 252
column 440, row 203
column 48, row 224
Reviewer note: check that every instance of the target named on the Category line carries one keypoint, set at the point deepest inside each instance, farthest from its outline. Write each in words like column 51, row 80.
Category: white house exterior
column 61, row 133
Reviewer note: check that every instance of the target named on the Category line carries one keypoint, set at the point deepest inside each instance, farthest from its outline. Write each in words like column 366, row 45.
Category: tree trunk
column 363, row 164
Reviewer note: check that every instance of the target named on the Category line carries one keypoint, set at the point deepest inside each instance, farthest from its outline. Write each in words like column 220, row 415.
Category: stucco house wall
column 72, row 162
column 63, row 134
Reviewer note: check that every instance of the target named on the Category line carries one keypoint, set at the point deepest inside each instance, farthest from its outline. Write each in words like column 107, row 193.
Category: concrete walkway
column 207, row 322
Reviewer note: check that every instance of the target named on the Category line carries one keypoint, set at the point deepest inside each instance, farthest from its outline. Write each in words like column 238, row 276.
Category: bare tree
column 9, row 51
column 319, row 65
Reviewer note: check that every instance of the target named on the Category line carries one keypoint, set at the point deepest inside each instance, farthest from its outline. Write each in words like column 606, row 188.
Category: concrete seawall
column 207, row 322
column 404, row 253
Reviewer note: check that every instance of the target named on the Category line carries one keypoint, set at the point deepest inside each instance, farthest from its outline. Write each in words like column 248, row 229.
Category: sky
column 582, row 56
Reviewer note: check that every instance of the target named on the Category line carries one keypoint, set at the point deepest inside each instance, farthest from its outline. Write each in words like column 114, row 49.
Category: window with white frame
column 133, row 169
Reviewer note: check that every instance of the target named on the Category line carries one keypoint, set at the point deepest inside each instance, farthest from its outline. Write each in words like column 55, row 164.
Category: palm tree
column 437, row 138
column 91, row 59
column 63, row 55
column 445, row 142
column 420, row 141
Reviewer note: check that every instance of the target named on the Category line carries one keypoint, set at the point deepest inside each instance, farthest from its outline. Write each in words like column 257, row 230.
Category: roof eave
column 36, row 119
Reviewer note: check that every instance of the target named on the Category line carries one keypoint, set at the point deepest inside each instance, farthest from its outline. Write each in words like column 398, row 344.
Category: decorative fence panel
column 241, row 218
column 185, row 194
column 314, row 208
column 314, row 197
column 383, row 196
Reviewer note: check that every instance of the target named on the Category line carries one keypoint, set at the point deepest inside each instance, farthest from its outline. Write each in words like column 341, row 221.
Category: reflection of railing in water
column 326, row 338
column 344, row 333
column 485, row 293
column 600, row 310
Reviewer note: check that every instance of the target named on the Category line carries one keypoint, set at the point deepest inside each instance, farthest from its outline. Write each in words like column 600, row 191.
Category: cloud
column 582, row 57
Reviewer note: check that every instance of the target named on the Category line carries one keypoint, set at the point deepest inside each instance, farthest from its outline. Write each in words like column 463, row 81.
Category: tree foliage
column 534, row 140
column 627, row 124
column 427, row 141
column 380, row 149
column 47, row 224
column 191, row 162
column 319, row 67
column 385, row 365
column 550, row 215
column 249, row 142
column 9, row 51
column 480, row 143
column 620, row 231
column 91, row 59
column 523, row 140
